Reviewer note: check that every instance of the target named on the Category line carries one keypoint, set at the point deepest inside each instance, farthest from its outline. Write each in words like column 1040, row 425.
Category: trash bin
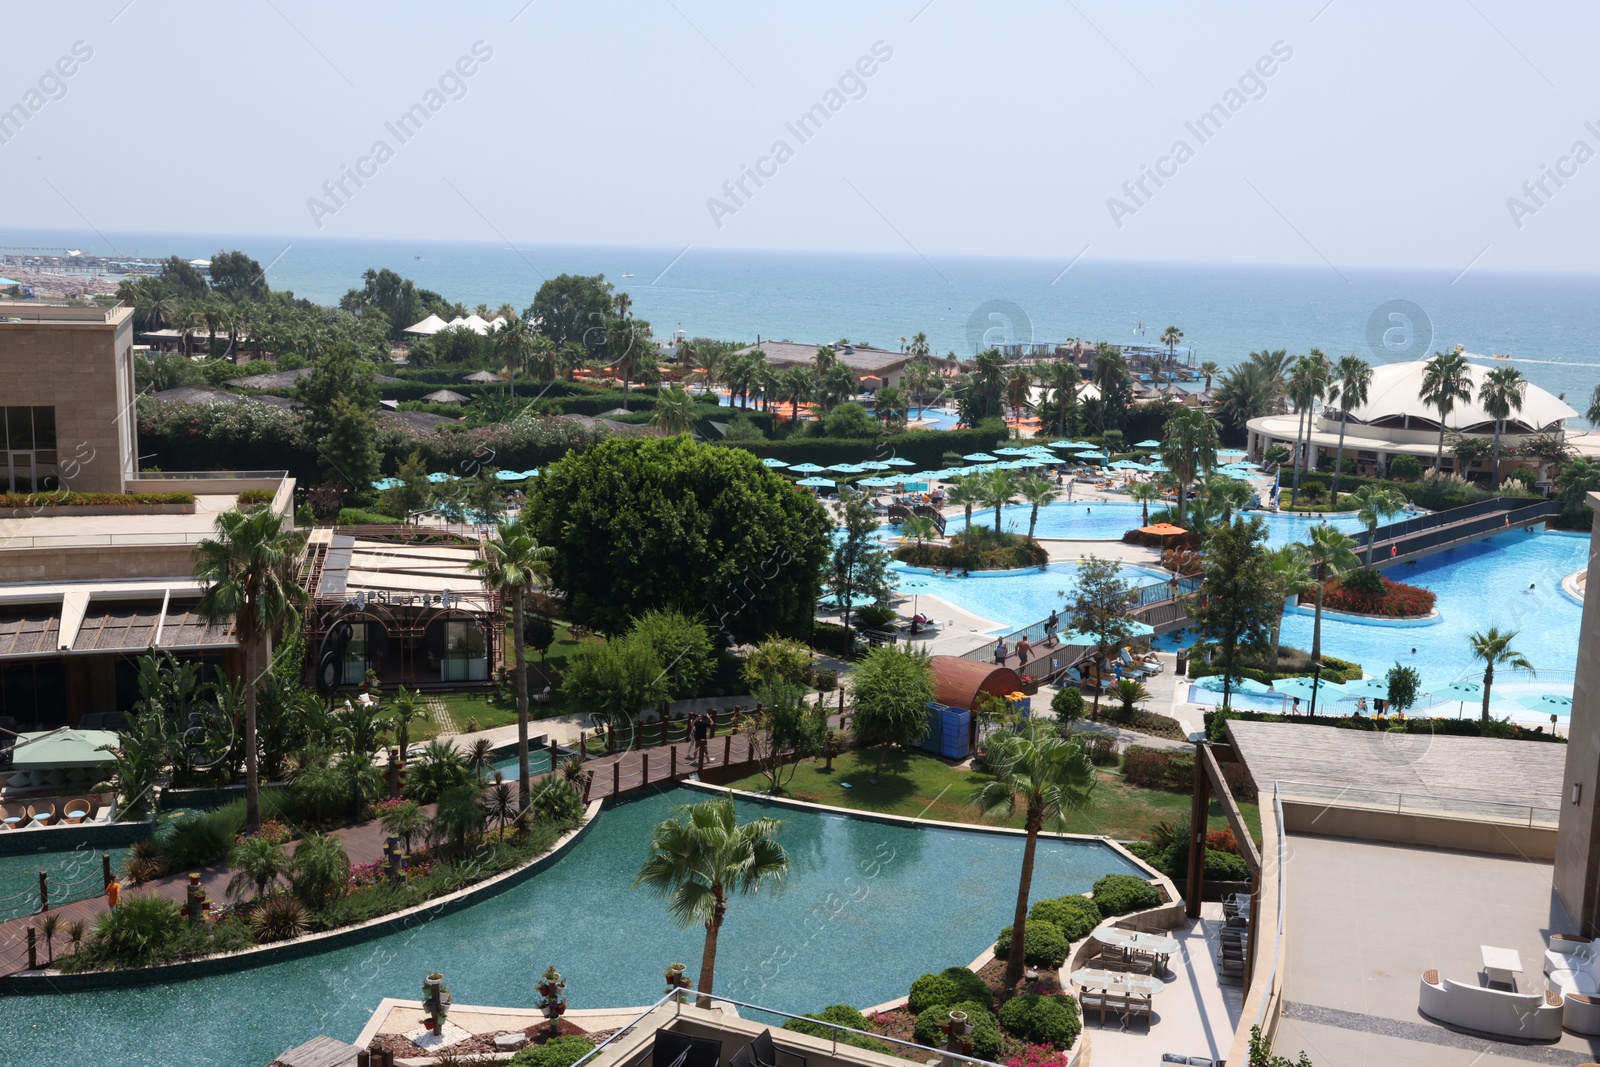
column 1183, row 662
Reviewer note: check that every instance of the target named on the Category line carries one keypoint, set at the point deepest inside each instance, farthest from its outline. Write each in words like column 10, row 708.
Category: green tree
column 1579, row 477
column 1146, row 493
column 414, row 492
column 1500, row 395
column 1493, row 649
column 1446, row 379
column 1352, row 377
column 674, row 412
column 319, row 871
column 249, row 568
column 917, row 381
column 1308, row 383
column 615, row 677
column 891, row 687
column 1404, row 684
column 1063, row 380
column 239, row 280
column 1247, row 391
column 1054, row 777
column 1210, row 369
column 966, row 493
column 785, row 731
column 1038, row 491
column 777, row 661
column 704, row 857
column 850, row 421
column 1234, row 607
column 404, row 820
column 1099, row 608
column 513, row 563
column 257, row 864
column 515, row 347
column 1189, row 445
column 1290, row 575
column 710, row 532
column 997, row 488
column 1374, row 504
column 860, row 567
column 684, row 648
column 406, row 706
column 573, row 308
column 1331, row 553
column 890, row 406
column 341, row 398
column 1592, row 415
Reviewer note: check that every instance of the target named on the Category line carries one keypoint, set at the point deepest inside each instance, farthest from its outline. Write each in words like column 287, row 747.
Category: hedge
column 985, row 1036
column 1425, row 493
column 1397, row 601
column 949, row 985
column 1043, row 945
column 842, row 1015
column 556, row 1052
column 1118, row 894
column 1501, row 728
column 62, row 499
column 1038, row 1020
column 1293, row 663
column 1074, row 915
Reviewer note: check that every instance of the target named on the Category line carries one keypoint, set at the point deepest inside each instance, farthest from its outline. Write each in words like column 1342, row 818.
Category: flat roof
column 1332, row 763
column 35, row 313
column 68, row 531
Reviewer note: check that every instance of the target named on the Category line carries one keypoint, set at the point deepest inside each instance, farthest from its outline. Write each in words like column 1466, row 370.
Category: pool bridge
column 1402, row 542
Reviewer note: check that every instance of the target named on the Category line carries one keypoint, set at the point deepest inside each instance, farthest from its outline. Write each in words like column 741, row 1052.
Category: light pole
column 1316, row 686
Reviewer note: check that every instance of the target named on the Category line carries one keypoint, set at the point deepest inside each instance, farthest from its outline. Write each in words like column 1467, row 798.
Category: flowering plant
column 1038, row 1056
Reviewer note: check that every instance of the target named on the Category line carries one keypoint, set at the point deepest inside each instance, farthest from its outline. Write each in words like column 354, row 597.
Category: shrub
column 1044, row 945
column 278, row 916
column 1038, row 1056
column 948, row 986
column 199, row 840
column 832, row 638
column 1158, row 768
column 1075, row 916
column 1393, row 600
column 64, row 499
column 1100, row 748
column 985, row 1036
column 320, row 869
column 1049, row 1020
column 1362, row 581
column 557, row 802
column 362, row 517
column 1067, row 704
column 874, row 616
column 1405, row 468
column 1222, row 841
column 1118, row 894
column 843, row 1015
column 825, row 680
column 250, row 498
column 556, row 1052
column 142, row 930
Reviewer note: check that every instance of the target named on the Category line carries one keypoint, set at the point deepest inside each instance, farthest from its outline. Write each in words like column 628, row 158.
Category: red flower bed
column 1397, row 601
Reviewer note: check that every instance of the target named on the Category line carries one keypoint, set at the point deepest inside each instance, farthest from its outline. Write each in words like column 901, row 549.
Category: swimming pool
column 831, row 933
column 538, row 762
column 1013, row 599
column 1097, row 520
column 75, row 874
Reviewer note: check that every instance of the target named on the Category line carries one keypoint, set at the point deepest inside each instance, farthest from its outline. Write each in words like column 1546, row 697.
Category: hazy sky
column 1386, row 134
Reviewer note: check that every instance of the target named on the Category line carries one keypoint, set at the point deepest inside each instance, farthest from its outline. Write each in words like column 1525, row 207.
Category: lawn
column 921, row 786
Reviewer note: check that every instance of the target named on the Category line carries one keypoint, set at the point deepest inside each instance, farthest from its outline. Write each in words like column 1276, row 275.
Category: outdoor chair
column 673, row 1049
column 766, row 1053
column 742, row 1058
column 1095, row 1002
column 42, row 814
column 1580, row 1013
column 1139, row 1008
column 77, row 810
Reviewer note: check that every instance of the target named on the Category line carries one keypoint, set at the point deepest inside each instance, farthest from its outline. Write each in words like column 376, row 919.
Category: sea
column 1547, row 323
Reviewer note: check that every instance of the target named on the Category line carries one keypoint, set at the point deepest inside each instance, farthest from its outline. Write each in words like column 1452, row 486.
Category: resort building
column 874, row 367
column 1396, row 421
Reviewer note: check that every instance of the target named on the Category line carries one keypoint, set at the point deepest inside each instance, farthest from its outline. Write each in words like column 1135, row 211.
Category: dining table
column 1121, row 982
column 1157, row 945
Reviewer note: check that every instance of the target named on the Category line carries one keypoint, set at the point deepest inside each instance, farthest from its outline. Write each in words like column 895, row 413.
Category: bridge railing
column 1472, row 527
column 1142, row 600
column 1421, row 523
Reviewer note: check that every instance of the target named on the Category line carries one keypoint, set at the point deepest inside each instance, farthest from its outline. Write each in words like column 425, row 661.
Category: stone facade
column 78, row 361
column 1577, row 871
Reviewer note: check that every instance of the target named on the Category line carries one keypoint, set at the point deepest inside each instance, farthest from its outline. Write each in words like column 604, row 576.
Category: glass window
column 355, row 655
column 19, row 428
column 28, row 459
column 44, row 428
column 466, row 654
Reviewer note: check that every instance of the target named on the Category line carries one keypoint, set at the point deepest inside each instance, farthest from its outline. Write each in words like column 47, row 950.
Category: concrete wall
column 1409, row 828
column 80, row 362
column 97, row 562
column 1577, row 850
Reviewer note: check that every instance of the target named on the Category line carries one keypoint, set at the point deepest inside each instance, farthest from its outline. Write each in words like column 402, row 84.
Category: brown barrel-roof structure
column 957, row 682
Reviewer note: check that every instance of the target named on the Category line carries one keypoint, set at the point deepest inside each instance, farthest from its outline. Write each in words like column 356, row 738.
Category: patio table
column 1136, row 941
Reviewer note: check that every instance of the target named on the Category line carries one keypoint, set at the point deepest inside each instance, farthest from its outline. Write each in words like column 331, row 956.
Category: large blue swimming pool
column 1097, row 520
column 1012, row 599
column 867, row 908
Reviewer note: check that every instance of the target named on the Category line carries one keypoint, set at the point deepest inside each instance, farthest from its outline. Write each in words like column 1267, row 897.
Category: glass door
column 19, row 472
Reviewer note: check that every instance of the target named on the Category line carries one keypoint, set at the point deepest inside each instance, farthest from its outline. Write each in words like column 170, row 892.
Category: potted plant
column 552, row 989
column 1030, row 684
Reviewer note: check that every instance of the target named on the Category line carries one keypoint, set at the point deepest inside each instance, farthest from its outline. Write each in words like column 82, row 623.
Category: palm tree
column 1290, row 574
column 1308, row 382
column 573, row 357
column 514, row 346
column 514, row 562
column 891, row 406
column 1225, row 495
column 249, row 570
column 1247, row 391
column 1352, row 377
column 1170, row 337
column 1494, row 649
column 499, row 803
column 797, row 385
column 966, row 493
column 405, row 708
column 989, row 374
column 919, row 530
column 1146, row 493
column 919, row 344
column 1019, row 386
column 1062, row 379
column 674, row 411
column 1210, row 369
column 544, row 359
column 704, row 857
column 257, row 863
column 1189, row 448
column 629, row 346
column 1501, row 394
column 998, row 487
column 1374, row 504
column 1037, row 490
column 1446, row 378
column 1593, row 414
column 1274, row 363
column 916, row 378
column 1054, row 776
column 1330, row 553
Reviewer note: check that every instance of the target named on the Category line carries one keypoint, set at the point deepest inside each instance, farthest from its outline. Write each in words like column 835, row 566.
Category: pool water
column 867, row 908
column 1011, row 599
column 75, row 874
column 1097, row 520
column 538, row 763
column 1512, row 581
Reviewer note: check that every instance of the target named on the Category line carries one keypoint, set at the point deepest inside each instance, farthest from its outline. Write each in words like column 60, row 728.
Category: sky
column 1341, row 132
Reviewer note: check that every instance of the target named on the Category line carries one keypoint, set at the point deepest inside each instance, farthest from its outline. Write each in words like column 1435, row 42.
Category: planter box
column 97, row 509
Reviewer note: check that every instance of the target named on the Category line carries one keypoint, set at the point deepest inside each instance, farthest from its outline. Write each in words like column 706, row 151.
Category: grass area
column 921, row 786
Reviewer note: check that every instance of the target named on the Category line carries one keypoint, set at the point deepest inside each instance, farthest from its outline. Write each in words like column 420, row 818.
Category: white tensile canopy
column 427, row 327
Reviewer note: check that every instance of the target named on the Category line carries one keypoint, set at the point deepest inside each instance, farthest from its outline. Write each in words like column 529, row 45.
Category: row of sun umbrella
column 438, row 477
column 1369, row 688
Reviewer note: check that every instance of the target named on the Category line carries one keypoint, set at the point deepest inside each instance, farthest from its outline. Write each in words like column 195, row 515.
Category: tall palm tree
column 1062, row 379
column 1189, row 445
column 1308, row 382
column 1592, row 416
column 825, row 360
column 249, row 570
column 573, row 357
column 1019, row 386
column 405, row 708
column 1246, row 391
column 514, row 346
column 1352, row 377
column 514, row 562
column 704, row 857
column 1500, row 394
column 1170, row 337
column 1494, row 649
column 1053, row 776
column 989, row 381
column 1210, row 369
column 1225, row 495
column 674, row 411
column 919, row 344
column 967, row 492
column 797, row 386
column 1446, row 379
column 1038, row 491
column 1146, row 493
column 915, row 381
column 1273, row 362
column 1374, row 504
column 1330, row 553
column 919, row 530
column 1290, row 574
column 544, row 359
column 998, row 487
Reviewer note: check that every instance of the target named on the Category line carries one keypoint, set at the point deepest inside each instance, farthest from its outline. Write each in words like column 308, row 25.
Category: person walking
column 697, row 733
column 1001, row 652
column 113, row 892
column 1024, row 650
column 1051, row 625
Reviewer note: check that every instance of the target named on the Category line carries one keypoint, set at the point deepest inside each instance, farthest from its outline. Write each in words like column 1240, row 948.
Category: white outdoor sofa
column 1572, row 968
column 1530, row 1016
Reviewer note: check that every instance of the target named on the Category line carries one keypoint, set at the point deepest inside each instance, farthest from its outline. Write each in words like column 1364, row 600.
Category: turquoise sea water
column 1549, row 322
column 894, row 901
